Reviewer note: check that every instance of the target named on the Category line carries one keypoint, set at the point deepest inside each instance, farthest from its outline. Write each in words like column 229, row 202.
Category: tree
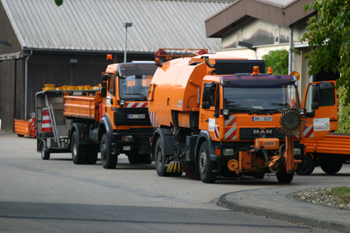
column 59, row 2
column 328, row 35
column 278, row 60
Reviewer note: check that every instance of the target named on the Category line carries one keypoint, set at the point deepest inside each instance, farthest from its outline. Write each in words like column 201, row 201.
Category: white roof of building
column 97, row 25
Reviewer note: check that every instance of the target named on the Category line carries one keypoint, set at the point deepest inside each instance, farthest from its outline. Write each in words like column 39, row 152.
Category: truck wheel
column 92, row 154
column 134, row 159
column 146, row 159
column 205, row 165
column 331, row 167
column 284, row 178
column 79, row 153
column 109, row 161
column 306, row 167
column 160, row 158
column 45, row 155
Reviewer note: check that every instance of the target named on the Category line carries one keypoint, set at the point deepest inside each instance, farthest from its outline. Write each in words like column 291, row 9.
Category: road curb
column 291, row 217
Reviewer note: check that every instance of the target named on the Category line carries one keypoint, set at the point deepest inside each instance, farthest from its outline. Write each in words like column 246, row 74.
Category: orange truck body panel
column 332, row 143
column 85, row 107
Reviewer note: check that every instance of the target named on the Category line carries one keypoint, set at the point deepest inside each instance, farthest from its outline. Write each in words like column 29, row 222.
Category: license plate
column 136, row 116
column 266, row 118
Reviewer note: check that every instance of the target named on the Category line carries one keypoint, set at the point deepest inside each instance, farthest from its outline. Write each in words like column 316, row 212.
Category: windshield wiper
column 258, row 112
column 274, row 111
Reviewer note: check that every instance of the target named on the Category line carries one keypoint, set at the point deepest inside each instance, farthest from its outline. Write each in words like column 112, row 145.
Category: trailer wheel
column 146, row 159
column 205, row 165
column 284, row 178
column 160, row 158
column 331, row 167
column 109, row 161
column 79, row 153
column 306, row 167
column 20, row 135
column 134, row 159
column 92, row 154
column 45, row 155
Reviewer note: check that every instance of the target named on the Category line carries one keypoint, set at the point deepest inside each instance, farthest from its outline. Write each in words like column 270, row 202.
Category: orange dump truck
column 112, row 120
column 214, row 116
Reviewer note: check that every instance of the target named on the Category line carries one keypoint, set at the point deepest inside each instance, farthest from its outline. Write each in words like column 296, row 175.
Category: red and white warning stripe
column 231, row 121
column 216, row 132
column 136, row 105
column 230, row 132
column 308, row 132
column 153, row 118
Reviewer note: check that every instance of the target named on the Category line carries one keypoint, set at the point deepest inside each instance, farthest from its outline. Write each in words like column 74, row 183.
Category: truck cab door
column 110, row 100
column 210, row 105
column 320, row 103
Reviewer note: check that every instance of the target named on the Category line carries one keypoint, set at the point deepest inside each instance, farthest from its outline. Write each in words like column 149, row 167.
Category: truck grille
column 252, row 133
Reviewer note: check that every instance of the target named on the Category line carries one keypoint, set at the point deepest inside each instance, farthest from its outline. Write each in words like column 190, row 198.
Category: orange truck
column 112, row 120
column 217, row 116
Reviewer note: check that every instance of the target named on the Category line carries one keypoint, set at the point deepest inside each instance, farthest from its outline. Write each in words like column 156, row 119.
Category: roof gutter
column 26, row 86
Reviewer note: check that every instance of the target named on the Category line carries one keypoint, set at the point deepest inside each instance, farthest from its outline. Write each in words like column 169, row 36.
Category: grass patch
column 342, row 193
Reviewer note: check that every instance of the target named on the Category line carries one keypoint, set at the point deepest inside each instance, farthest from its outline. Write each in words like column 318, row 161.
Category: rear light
column 127, row 138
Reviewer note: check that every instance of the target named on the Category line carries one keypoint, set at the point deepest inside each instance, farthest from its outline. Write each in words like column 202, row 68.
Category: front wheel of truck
column 109, row 160
column 160, row 158
column 205, row 165
column 284, row 177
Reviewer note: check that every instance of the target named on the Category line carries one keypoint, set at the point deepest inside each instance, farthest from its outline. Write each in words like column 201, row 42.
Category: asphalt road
column 58, row 196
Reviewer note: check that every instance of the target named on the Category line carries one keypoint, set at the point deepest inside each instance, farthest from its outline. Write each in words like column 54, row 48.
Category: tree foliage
column 328, row 35
column 59, row 2
column 278, row 60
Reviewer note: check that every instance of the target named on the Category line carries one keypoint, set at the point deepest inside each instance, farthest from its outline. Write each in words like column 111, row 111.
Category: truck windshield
column 260, row 98
column 134, row 87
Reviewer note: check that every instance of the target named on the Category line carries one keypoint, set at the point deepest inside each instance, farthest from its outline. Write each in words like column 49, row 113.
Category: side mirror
column 104, row 90
column 205, row 105
column 104, row 77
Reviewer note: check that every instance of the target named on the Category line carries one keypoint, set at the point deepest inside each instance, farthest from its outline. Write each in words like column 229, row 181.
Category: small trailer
column 52, row 127
column 25, row 127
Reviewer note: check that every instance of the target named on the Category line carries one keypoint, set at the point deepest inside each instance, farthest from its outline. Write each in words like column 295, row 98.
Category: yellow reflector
column 109, row 57
column 296, row 74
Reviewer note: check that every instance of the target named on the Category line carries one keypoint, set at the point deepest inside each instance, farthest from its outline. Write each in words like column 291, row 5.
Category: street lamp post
column 126, row 25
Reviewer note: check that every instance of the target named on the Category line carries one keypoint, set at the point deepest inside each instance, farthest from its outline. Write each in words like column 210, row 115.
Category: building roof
column 97, row 25
column 281, row 12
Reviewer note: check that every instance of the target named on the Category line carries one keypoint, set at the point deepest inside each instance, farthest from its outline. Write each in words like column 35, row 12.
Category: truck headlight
column 126, row 148
column 297, row 151
column 225, row 112
column 227, row 152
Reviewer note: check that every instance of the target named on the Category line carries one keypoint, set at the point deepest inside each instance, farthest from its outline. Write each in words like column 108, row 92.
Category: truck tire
column 146, row 159
column 45, row 155
column 284, row 178
column 306, row 167
column 79, row 152
column 92, row 154
column 205, row 165
column 134, row 159
column 160, row 158
column 109, row 161
column 331, row 167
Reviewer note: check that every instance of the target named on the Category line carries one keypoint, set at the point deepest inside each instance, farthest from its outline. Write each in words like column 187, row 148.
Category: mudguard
column 105, row 126
column 167, row 137
column 204, row 136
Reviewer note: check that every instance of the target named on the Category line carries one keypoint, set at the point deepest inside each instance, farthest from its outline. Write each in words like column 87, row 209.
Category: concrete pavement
column 280, row 203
